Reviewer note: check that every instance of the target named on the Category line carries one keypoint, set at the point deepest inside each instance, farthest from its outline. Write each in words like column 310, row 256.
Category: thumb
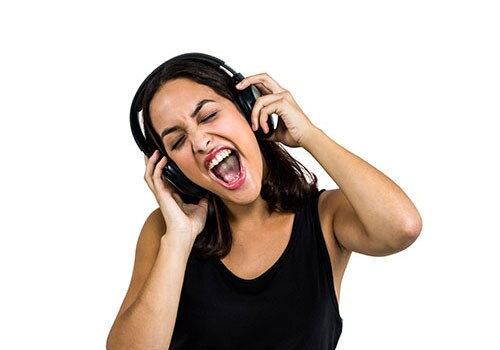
column 203, row 203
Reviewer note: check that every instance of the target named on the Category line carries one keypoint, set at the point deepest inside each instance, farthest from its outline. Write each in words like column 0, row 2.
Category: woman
column 258, row 262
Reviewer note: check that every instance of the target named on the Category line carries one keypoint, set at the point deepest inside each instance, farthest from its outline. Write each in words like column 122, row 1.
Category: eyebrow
column 195, row 112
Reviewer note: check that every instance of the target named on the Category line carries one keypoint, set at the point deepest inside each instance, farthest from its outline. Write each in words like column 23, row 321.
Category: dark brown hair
column 286, row 187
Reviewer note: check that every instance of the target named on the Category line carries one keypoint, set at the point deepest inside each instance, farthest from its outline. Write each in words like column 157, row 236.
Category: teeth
column 218, row 158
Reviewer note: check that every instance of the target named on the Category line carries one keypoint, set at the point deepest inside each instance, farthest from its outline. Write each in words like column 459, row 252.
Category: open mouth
column 227, row 169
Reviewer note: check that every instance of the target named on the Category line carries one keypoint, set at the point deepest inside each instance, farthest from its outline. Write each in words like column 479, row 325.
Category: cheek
column 228, row 124
column 189, row 168
column 185, row 162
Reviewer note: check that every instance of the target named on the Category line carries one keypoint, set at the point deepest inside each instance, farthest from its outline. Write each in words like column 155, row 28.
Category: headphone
column 245, row 99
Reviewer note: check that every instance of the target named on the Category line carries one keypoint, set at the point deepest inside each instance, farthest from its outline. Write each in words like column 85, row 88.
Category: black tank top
column 290, row 306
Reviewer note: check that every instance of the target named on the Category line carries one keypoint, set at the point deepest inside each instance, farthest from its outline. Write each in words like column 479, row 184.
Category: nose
column 201, row 141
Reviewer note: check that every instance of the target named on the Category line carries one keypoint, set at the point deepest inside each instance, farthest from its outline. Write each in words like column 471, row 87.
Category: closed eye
column 177, row 143
column 209, row 117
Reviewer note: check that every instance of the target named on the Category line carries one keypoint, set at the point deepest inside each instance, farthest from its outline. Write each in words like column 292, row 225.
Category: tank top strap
column 320, row 245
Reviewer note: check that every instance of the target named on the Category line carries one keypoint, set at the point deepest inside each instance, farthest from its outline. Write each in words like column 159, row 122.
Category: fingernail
column 240, row 84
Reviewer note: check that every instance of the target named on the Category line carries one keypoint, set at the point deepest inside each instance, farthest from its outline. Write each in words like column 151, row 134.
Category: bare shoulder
column 329, row 202
column 148, row 245
column 149, row 239
column 154, row 227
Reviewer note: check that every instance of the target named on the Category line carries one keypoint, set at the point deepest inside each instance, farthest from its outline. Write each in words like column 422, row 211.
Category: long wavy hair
column 286, row 187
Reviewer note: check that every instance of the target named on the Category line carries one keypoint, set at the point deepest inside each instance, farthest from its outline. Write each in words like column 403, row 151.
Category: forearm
column 149, row 322
column 382, row 207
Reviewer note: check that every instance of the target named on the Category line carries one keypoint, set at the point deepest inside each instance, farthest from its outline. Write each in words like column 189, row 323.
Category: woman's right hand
column 183, row 221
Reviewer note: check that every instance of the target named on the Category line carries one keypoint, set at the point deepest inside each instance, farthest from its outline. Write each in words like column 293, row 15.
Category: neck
column 251, row 225
column 247, row 215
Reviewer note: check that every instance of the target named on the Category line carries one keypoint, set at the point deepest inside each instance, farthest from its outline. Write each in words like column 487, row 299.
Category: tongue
column 228, row 170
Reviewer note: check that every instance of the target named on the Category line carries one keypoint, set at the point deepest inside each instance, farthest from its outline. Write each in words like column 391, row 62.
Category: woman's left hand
column 293, row 125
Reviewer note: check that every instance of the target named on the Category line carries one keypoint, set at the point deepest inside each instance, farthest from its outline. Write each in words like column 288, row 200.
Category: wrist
column 176, row 243
column 309, row 137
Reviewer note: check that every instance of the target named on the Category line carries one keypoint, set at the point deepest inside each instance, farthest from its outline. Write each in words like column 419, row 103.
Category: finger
column 158, row 171
column 203, row 203
column 148, row 173
column 153, row 157
column 262, row 79
column 260, row 103
column 164, row 191
column 263, row 89
column 266, row 112
column 168, row 185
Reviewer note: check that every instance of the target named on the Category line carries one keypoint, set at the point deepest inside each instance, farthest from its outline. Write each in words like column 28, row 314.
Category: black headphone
column 189, row 191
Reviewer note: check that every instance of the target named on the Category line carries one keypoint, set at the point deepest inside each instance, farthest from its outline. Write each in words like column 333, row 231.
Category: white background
column 411, row 87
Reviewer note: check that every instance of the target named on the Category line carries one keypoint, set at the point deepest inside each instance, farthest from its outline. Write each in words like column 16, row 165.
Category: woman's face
column 193, row 139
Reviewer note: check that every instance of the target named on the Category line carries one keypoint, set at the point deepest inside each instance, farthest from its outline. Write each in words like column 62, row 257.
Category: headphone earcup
column 246, row 101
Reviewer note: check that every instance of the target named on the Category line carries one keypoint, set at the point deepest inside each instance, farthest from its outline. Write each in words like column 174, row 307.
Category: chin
column 247, row 194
